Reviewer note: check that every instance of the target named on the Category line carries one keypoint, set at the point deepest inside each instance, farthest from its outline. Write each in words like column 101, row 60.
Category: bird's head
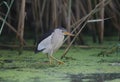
column 65, row 32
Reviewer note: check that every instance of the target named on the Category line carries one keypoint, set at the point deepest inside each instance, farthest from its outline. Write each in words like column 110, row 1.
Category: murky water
column 100, row 77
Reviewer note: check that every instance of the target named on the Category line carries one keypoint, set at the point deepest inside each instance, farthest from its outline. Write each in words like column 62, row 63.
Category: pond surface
column 82, row 65
column 95, row 77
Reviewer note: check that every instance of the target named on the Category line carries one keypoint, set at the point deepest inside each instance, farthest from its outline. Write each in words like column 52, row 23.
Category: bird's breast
column 57, row 41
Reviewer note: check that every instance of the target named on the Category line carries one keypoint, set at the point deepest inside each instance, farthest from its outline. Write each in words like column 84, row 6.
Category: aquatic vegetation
column 29, row 67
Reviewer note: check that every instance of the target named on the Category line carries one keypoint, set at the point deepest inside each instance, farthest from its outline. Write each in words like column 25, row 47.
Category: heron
column 51, row 42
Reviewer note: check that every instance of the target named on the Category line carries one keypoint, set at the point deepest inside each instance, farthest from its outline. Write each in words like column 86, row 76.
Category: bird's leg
column 50, row 60
column 60, row 62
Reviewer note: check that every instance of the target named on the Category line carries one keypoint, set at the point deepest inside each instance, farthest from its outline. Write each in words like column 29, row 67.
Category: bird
column 51, row 42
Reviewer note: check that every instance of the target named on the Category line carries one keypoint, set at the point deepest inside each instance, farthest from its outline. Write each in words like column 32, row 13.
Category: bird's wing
column 40, row 45
column 44, row 43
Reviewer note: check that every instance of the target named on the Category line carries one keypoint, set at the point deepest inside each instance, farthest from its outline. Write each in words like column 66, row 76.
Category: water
column 95, row 77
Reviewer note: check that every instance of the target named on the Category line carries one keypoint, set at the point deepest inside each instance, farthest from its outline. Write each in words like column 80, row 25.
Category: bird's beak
column 69, row 34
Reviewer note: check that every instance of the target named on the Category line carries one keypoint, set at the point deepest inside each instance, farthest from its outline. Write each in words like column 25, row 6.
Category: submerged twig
column 73, row 40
